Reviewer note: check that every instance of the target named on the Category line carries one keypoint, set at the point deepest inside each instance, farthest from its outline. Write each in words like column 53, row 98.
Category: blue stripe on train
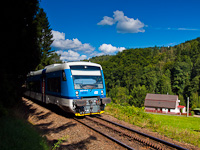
column 67, row 97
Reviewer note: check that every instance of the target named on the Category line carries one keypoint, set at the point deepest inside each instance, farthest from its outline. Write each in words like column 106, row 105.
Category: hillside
column 132, row 73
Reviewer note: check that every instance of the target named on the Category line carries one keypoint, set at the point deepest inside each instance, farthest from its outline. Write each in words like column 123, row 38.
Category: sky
column 86, row 28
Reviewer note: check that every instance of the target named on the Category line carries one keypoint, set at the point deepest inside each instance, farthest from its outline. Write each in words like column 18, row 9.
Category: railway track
column 124, row 136
column 102, row 133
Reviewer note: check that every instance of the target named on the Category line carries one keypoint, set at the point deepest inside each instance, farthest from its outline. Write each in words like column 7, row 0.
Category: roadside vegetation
column 17, row 133
column 180, row 128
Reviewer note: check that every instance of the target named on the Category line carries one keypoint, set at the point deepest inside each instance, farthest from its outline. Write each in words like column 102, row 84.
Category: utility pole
column 187, row 106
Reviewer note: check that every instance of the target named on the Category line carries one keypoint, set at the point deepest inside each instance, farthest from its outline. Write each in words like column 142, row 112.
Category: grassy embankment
column 185, row 129
column 17, row 134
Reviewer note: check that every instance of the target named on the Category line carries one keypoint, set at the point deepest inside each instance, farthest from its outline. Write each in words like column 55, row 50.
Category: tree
column 119, row 95
column 180, row 77
column 138, row 94
column 172, row 70
column 45, row 40
column 21, row 52
column 149, row 78
column 164, row 84
column 195, row 100
column 196, row 67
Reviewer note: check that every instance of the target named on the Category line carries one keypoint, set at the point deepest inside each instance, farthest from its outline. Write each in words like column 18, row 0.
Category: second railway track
column 126, row 137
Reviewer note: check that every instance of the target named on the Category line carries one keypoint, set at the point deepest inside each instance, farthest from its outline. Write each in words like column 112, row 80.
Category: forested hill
column 132, row 73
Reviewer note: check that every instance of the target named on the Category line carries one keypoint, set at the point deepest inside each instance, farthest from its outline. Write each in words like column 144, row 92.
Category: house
column 163, row 104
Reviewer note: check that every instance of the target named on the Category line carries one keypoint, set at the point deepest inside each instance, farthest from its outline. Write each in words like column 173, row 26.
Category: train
column 76, row 87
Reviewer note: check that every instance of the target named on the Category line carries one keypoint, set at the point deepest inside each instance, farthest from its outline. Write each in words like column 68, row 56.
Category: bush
column 134, row 115
column 192, row 113
column 3, row 111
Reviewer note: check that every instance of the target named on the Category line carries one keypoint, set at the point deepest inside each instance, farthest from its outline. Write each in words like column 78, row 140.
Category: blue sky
column 86, row 28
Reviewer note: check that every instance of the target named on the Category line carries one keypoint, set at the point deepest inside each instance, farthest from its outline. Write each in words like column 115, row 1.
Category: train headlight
column 76, row 93
column 102, row 92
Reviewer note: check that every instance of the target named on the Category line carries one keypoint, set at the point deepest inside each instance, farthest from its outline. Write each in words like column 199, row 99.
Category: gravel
column 55, row 125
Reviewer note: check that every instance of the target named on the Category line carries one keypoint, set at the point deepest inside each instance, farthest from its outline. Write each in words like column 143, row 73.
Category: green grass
column 181, row 122
column 185, row 129
column 15, row 134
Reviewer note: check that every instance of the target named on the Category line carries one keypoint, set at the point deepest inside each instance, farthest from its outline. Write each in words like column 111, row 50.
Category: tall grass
column 180, row 128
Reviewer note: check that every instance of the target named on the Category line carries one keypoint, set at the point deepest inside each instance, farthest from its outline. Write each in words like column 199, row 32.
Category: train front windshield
column 88, row 82
column 87, row 77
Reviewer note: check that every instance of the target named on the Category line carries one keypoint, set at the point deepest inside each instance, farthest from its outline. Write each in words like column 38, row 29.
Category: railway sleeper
column 132, row 137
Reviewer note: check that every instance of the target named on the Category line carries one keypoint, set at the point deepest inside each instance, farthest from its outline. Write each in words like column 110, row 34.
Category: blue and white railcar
column 78, row 87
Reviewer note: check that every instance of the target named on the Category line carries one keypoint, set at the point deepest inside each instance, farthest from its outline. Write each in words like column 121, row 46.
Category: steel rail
column 133, row 137
column 109, row 137
column 146, row 135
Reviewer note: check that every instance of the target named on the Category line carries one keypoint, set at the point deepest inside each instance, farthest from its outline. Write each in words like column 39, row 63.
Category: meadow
column 181, row 128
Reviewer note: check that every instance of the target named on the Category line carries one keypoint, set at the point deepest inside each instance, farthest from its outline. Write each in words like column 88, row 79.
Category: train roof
column 57, row 67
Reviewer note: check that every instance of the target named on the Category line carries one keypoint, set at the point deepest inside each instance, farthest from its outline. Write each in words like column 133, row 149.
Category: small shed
column 163, row 103
column 196, row 111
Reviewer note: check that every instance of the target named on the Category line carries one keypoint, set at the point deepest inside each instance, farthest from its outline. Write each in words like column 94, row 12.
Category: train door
column 43, row 90
column 43, row 86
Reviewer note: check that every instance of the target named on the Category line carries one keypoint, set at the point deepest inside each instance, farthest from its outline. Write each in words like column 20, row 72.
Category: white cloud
column 187, row 29
column 58, row 35
column 124, row 24
column 180, row 29
column 109, row 49
column 65, row 44
column 127, row 25
column 106, row 21
column 95, row 53
column 70, row 55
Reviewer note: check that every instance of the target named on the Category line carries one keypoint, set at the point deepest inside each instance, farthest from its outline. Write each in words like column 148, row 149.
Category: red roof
column 180, row 106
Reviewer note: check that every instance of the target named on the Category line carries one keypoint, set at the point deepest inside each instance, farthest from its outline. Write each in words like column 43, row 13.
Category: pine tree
column 45, row 40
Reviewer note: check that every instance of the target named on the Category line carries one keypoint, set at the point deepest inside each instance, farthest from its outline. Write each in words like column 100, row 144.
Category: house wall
column 176, row 110
column 183, row 110
column 148, row 108
column 163, row 110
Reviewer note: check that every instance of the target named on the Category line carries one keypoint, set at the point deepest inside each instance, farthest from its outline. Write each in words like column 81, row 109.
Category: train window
column 87, row 82
column 54, row 84
column 64, row 76
column 84, row 68
column 34, row 86
column 28, row 86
